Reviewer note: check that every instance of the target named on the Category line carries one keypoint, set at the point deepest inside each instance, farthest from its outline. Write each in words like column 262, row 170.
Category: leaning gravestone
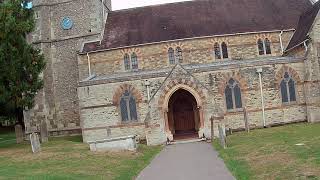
column 19, row 133
column 35, row 143
column 222, row 137
column 43, row 132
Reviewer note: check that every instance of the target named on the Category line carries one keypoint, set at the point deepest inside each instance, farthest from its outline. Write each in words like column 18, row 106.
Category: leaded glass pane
column 171, row 56
column 228, row 94
column 237, row 96
column 286, row 75
column 231, row 82
column 268, row 46
column 133, row 109
column 179, row 54
column 284, row 94
column 260, row 47
column 217, row 51
column 292, row 90
column 224, row 50
column 134, row 61
column 124, row 110
column 126, row 62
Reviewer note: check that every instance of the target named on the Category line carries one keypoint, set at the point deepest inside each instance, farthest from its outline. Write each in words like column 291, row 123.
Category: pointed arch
column 233, row 95
column 122, row 89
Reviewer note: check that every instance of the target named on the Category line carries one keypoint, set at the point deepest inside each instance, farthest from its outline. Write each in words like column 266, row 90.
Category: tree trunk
column 19, row 117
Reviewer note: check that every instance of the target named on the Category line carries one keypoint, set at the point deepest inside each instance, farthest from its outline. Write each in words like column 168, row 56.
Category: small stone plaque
column 44, row 132
column 35, row 143
column 19, row 133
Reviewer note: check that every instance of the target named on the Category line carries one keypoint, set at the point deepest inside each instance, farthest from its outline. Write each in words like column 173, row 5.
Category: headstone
column 245, row 113
column 19, row 133
column 212, row 129
column 222, row 137
column 44, row 132
column 35, row 143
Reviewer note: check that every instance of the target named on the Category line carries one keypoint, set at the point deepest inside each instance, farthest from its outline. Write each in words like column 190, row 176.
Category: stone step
column 186, row 141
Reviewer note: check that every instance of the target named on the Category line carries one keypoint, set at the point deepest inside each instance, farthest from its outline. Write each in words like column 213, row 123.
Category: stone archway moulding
column 126, row 87
column 279, row 75
column 170, row 89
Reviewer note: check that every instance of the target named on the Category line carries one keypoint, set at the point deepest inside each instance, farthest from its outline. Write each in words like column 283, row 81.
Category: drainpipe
column 281, row 43
column 89, row 65
column 147, row 83
column 259, row 71
column 305, row 45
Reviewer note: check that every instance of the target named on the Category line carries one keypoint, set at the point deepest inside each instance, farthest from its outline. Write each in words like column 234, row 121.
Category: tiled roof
column 305, row 23
column 197, row 18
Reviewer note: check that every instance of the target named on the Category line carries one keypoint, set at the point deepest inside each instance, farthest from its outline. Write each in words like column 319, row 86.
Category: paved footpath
column 197, row 161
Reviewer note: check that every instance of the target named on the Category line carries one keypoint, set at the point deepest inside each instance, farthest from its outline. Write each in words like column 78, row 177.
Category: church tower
column 61, row 28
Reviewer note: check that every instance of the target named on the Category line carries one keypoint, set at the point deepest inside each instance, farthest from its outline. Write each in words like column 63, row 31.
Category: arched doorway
column 183, row 115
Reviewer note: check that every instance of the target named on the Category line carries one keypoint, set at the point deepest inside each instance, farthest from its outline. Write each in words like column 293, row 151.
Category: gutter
column 183, row 39
column 297, row 45
column 281, row 43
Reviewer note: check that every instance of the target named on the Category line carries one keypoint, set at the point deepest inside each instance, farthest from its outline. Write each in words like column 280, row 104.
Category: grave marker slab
column 44, row 132
column 35, row 143
column 222, row 137
column 19, row 133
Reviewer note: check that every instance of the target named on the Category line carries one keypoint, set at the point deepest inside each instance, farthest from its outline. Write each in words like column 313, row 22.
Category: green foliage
column 21, row 64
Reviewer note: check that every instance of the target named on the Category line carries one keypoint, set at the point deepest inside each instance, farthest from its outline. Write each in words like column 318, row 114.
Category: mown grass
column 273, row 153
column 69, row 158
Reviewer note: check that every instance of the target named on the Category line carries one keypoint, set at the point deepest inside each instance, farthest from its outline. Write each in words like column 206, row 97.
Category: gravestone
column 19, row 133
column 35, row 143
column 246, row 123
column 222, row 137
column 44, row 132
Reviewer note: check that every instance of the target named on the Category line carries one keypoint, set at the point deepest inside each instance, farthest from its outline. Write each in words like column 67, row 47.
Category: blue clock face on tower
column 66, row 23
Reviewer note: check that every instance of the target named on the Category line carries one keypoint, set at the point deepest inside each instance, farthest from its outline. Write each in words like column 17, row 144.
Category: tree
column 21, row 64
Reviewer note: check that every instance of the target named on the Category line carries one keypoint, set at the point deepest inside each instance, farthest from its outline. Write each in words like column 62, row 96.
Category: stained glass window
column 126, row 62
column 128, row 107
column 217, row 51
column 134, row 61
column 224, row 50
column 268, row 46
column 229, row 100
column 287, row 88
column 260, row 47
column 233, row 95
column 179, row 54
column 171, row 56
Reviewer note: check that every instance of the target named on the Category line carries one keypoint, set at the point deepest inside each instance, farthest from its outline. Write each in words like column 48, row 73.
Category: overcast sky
column 125, row 4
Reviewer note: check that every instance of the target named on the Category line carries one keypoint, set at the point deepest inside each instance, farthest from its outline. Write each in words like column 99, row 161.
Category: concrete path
column 196, row 161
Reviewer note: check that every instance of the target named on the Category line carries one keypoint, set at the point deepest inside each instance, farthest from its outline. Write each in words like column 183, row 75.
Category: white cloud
column 125, row 4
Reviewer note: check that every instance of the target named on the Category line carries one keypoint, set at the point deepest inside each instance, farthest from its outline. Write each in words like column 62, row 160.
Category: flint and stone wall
column 100, row 115
column 57, row 103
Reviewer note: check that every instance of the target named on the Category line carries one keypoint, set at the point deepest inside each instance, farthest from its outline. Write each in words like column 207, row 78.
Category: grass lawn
column 273, row 154
column 69, row 158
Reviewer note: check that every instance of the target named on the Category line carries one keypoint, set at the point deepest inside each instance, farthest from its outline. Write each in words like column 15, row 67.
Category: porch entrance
column 183, row 115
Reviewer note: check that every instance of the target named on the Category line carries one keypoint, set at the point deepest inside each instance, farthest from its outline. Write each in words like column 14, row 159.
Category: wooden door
column 183, row 117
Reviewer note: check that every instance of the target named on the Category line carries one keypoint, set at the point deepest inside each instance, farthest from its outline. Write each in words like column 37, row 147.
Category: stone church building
column 164, row 72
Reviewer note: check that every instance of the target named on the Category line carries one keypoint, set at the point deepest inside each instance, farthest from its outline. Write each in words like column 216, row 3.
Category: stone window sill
column 235, row 110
